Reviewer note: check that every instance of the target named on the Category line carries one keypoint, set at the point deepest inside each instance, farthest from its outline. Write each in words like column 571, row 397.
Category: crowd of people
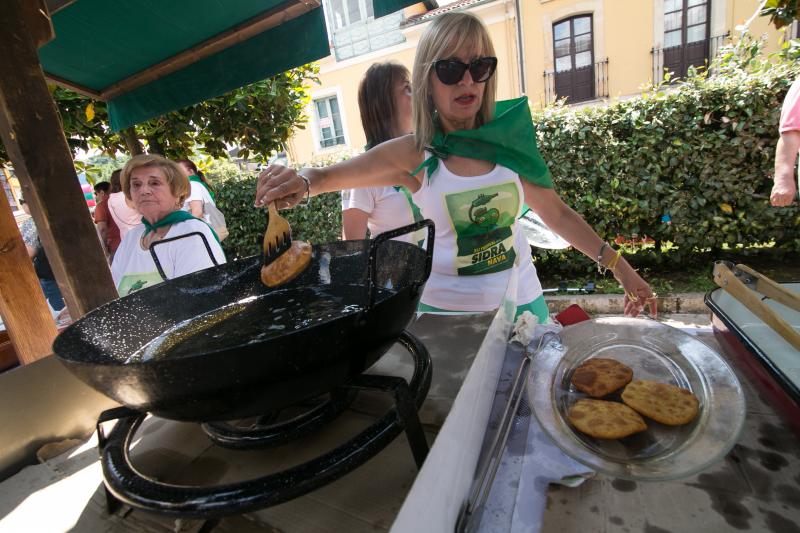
column 150, row 199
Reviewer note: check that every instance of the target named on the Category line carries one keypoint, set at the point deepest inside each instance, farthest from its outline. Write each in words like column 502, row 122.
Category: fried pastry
column 663, row 403
column 599, row 376
column 605, row 420
column 287, row 265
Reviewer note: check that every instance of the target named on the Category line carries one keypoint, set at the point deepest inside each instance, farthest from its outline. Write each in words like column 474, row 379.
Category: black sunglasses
column 450, row 71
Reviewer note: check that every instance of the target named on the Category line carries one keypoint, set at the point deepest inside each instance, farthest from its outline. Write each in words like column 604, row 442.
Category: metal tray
column 655, row 352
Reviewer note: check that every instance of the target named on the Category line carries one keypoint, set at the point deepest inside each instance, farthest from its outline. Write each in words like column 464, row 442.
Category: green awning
column 149, row 57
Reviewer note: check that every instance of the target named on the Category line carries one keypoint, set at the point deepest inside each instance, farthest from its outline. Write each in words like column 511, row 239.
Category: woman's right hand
column 280, row 184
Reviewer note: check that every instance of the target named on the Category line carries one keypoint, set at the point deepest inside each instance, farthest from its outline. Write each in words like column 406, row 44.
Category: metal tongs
column 470, row 516
column 748, row 286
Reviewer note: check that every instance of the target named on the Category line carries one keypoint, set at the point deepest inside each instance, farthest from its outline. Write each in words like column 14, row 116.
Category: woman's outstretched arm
column 386, row 164
column 571, row 226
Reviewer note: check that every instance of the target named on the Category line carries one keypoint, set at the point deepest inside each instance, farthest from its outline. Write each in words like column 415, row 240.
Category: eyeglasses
column 450, row 71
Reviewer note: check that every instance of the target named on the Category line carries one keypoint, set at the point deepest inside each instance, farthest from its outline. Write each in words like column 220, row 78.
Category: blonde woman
column 157, row 188
column 470, row 167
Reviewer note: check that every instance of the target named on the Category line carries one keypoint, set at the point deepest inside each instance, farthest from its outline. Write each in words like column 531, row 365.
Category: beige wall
column 625, row 32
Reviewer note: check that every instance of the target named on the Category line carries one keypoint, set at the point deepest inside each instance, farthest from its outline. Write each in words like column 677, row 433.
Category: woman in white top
column 384, row 100
column 200, row 192
column 468, row 187
column 157, row 188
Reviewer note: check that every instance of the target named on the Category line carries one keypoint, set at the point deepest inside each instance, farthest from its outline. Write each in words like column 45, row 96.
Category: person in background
column 47, row 280
column 107, row 229
column 200, row 193
column 467, row 173
column 784, row 190
column 125, row 216
column 157, row 187
column 384, row 99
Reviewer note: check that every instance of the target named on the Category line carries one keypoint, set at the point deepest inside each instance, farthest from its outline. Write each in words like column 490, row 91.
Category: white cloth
column 197, row 192
column 125, row 217
column 477, row 239
column 386, row 208
column 134, row 268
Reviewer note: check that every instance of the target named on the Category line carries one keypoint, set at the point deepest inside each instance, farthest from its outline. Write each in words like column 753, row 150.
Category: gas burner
column 124, row 484
column 271, row 430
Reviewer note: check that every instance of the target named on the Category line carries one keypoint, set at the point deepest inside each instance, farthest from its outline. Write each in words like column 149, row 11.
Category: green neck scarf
column 195, row 178
column 173, row 218
column 508, row 140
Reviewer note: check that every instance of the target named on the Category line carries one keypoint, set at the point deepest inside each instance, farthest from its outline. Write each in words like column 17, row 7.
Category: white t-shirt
column 126, row 218
column 134, row 268
column 386, row 208
column 477, row 239
column 197, row 192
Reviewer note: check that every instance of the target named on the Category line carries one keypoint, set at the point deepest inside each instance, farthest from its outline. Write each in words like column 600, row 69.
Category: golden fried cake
column 663, row 403
column 288, row 265
column 599, row 376
column 605, row 420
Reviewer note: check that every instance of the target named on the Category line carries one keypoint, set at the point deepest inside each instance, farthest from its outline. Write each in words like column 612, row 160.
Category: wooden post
column 25, row 313
column 31, row 132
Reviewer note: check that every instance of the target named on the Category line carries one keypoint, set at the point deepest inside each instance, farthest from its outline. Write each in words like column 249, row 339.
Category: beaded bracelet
column 611, row 264
column 600, row 268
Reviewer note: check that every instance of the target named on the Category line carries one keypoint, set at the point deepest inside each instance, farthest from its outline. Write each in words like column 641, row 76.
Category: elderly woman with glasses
column 470, row 164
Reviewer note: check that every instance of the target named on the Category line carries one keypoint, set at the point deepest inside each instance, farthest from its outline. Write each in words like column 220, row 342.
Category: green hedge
column 699, row 154
column 321, row 221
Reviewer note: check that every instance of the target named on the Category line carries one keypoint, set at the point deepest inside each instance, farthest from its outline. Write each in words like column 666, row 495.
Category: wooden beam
column 25, row 312
column 57, row 5
column 269, row 19
column 30, row 129
column 80, row 89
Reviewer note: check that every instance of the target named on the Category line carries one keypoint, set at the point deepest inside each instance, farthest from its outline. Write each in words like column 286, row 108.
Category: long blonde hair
column 447, row 34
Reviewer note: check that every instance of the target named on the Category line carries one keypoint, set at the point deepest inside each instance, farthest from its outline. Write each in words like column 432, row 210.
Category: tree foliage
column 258, row 118
column 781, row 12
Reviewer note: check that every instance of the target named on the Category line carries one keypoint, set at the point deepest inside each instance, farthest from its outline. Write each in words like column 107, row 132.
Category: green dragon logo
column 480, row 215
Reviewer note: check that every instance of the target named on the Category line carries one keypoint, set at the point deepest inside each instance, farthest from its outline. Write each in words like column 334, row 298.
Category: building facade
column 588, row 52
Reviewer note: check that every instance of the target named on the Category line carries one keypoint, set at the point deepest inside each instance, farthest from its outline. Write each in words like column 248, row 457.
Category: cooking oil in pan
column 254, row 319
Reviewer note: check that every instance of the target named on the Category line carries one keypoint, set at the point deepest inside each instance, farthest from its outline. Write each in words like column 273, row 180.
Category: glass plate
column 655, row 352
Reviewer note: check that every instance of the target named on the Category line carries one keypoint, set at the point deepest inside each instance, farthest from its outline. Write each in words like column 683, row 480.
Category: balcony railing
column 559, row 85
column 707, row 49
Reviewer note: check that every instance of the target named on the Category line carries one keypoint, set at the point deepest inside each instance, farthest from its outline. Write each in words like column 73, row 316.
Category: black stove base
column 125, row 485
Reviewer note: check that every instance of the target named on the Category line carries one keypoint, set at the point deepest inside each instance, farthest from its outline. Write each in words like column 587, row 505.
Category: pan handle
column 391, row 234
column 185, row 235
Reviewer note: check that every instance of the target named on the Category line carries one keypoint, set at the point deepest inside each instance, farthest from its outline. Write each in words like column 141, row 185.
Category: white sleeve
column 363, row 199
column 346, row 193
column 195, row 192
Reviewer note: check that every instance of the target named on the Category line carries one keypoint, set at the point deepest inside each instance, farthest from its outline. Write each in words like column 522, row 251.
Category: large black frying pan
column 278, row 346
